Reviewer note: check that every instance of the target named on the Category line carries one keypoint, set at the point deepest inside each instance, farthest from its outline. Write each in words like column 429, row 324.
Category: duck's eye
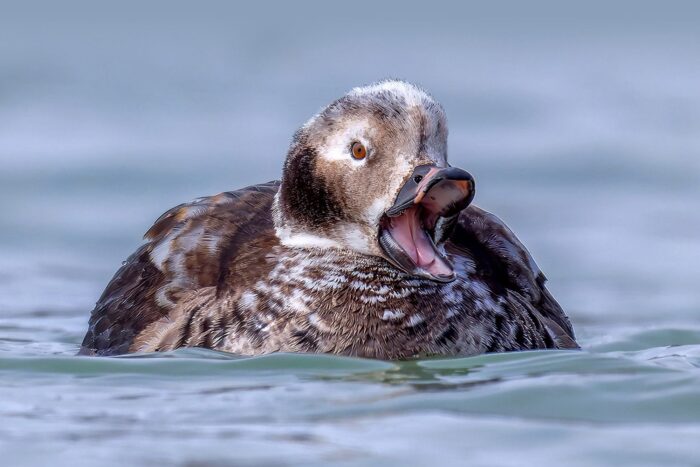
column 358, row 150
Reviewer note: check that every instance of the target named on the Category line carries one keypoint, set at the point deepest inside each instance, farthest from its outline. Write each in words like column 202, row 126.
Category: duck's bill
column 422, row 217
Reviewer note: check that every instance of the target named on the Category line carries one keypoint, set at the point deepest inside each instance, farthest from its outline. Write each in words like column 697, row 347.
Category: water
column 583, row 130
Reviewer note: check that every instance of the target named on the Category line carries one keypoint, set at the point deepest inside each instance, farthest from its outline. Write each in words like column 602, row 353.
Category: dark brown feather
column 505, row 263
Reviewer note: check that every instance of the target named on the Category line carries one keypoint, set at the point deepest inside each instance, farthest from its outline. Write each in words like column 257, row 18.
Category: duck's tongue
column 407, row 230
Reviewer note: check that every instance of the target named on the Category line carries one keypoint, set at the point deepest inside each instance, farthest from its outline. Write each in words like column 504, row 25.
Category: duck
column 368, row 246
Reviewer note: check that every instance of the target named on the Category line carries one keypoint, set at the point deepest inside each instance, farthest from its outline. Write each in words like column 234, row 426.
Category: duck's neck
column 339, row 236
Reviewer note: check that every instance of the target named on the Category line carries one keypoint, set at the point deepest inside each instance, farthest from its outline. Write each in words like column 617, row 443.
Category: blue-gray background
column 580, row 121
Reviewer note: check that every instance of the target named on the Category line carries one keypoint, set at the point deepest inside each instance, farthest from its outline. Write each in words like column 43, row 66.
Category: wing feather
column 508, row 264
column 186, row 250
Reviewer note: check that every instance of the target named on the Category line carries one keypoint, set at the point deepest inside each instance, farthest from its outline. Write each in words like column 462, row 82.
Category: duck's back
column 192, row 247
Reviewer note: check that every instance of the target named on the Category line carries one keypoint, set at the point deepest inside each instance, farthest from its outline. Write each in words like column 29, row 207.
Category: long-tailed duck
column 366, row 247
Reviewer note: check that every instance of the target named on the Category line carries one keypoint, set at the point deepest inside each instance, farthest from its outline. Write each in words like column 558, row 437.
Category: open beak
column 422, row 216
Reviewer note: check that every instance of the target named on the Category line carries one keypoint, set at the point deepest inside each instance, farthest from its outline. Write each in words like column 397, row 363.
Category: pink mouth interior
column 408, row 232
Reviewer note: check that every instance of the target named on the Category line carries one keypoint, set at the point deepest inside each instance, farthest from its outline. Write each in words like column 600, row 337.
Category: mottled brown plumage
column 298, row 267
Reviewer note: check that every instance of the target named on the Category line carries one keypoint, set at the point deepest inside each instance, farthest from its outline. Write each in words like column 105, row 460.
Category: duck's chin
column 408, row 242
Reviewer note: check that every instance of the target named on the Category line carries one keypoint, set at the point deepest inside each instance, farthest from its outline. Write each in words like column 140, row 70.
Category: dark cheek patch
column 305, row 195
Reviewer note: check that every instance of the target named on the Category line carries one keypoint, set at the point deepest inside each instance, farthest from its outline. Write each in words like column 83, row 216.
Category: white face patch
column 337, row 146
column 376, row 209
column 402, row 169
column 379, row 206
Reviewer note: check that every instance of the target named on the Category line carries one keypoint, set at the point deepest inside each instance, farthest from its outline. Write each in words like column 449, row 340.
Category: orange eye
column 359, row 151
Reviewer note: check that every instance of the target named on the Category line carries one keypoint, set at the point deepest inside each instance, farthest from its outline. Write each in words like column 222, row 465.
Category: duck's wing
column 189, row 247
column 511, row 271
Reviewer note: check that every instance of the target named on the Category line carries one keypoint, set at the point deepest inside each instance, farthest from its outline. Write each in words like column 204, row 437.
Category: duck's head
column 369, row 173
